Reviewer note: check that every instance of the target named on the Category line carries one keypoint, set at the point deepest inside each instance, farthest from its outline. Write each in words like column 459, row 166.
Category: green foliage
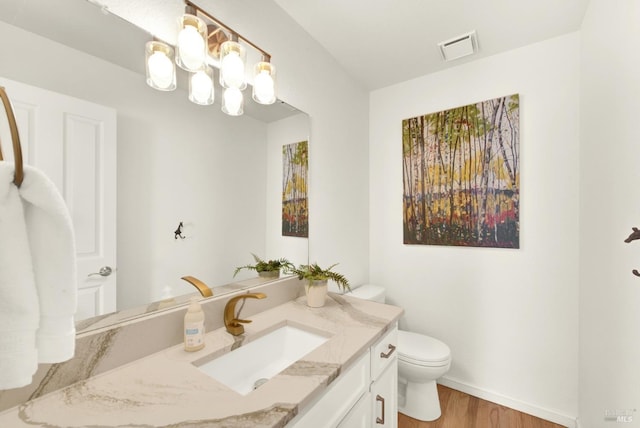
column 266, row 266
column 316, row 273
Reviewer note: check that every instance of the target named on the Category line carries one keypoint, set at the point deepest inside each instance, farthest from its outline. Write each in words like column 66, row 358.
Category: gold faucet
column 201, row 286
column 233, row 324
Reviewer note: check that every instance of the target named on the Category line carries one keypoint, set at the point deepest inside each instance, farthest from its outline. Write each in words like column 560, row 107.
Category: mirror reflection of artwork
column 295, row 221
column 461, row 175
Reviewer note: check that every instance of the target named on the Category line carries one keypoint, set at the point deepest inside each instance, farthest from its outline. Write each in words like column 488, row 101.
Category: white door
column 74, row 142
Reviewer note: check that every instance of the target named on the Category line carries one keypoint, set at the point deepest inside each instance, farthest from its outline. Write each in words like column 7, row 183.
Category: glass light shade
column 233, row 56
column 232, row 102
column 201, row 87
column 191, row 50
column 264, row 83
column 161, row 71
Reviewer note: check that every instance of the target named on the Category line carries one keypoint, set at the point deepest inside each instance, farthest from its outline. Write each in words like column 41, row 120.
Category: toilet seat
column 421, row 350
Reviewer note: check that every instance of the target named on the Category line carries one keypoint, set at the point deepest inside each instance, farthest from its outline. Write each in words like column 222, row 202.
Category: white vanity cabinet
column 365, row 396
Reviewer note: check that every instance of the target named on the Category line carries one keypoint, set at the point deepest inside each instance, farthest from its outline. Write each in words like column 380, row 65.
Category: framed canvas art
column 461, row 175
column 295, row 220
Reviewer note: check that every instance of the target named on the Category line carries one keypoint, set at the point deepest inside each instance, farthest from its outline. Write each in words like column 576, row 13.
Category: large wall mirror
column 177, row 162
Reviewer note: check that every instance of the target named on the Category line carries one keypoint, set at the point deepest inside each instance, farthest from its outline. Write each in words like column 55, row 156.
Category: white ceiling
column 383, row 42
column 378, row 42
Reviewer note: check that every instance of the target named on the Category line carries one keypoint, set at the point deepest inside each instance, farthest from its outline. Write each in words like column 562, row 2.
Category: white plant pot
column 316, row 293
column 272, row 274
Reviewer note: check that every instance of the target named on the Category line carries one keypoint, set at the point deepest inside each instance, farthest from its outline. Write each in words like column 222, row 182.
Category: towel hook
column 632, row 237
column 15, row 137
column 178, row 232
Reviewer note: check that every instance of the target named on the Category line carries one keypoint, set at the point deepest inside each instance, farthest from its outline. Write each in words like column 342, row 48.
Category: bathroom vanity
column 347, row 379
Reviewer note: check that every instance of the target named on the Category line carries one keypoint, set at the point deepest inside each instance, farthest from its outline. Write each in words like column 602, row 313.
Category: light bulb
column 232, row 67
column 232, row 102
column 191, row 48
column 160, row 70
column 201, row 88
column 264, row 90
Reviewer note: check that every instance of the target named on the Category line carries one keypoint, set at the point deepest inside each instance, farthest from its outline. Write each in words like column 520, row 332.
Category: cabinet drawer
column 384, row 353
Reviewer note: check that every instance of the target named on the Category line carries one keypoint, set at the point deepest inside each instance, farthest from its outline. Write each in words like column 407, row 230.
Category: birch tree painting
column 461, row 175
column 295, row 220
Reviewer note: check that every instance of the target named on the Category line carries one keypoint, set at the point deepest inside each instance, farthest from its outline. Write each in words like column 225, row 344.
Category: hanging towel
column 38, row 293
column 53, row 255
column 19, row 307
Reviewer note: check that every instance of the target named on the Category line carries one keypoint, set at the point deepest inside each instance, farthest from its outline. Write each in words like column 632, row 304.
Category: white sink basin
column 247, row 367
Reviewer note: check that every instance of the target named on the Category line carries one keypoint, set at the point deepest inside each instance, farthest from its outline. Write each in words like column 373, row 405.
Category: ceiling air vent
column 458, row 47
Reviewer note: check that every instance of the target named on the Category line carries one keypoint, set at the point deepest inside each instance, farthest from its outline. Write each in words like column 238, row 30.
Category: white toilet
column 421, row 360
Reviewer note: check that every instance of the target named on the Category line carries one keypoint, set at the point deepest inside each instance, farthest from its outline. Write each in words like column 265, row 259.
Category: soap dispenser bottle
column 194, row 327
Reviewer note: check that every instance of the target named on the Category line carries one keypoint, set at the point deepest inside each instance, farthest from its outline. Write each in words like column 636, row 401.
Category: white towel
column 53, row 254
column 49, row 264
column 19, row 307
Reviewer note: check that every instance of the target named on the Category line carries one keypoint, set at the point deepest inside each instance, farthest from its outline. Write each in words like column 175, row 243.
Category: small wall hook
column 178, row 232
column 634, row 235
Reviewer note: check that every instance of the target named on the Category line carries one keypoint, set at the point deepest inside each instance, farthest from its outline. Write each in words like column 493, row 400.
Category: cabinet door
column 360, row 415
column 329, row 409
column 384, row 398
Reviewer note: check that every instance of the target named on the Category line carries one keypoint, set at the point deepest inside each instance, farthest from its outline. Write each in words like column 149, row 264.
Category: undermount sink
column 246, row 368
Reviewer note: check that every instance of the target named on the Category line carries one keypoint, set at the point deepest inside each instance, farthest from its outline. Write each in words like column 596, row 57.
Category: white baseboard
column 521, row 406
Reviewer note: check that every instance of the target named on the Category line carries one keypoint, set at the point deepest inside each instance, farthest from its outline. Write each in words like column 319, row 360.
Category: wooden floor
column 460, row 410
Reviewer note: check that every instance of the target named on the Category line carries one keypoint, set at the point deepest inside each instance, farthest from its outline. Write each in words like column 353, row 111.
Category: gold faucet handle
column 242, row 321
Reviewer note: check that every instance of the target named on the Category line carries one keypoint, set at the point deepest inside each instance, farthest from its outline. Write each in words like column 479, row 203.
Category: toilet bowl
column 421, row 360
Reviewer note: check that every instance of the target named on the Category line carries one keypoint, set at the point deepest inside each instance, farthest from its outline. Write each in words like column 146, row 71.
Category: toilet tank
column 371, row 292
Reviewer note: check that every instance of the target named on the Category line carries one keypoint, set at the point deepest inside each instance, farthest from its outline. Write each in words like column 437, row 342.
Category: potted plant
column 267, row 269
column 317, row 280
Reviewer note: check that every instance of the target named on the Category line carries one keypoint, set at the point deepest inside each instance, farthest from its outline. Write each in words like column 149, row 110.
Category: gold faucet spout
column 201, row 286
column 233, row 324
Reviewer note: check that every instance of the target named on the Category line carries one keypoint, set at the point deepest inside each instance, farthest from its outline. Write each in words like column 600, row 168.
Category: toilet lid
column 422, row 350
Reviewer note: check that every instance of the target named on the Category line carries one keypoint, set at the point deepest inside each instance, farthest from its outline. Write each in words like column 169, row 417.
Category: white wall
column 609, row 153
column 176, row 162
column 286, row 131
column 510, row 317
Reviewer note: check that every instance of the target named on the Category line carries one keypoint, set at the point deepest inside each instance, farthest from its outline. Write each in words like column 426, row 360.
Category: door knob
column 104, row 271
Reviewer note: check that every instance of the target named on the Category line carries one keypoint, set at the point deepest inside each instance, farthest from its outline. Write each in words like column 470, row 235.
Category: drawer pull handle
column 380, row 399
column 388, row 354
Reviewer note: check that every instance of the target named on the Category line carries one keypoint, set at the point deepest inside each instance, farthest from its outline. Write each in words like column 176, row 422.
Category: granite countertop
column 166, row 389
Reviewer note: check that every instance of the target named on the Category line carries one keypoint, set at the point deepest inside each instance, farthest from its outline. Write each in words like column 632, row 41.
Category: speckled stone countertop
column 166, row 389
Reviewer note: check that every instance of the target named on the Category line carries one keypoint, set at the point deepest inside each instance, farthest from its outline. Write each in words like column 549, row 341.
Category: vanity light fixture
column 233, row 57
column 232, row 102
column 191, row 48
column 161, row 71
column 264, row 82
column 203, row 41
column 201, row 86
